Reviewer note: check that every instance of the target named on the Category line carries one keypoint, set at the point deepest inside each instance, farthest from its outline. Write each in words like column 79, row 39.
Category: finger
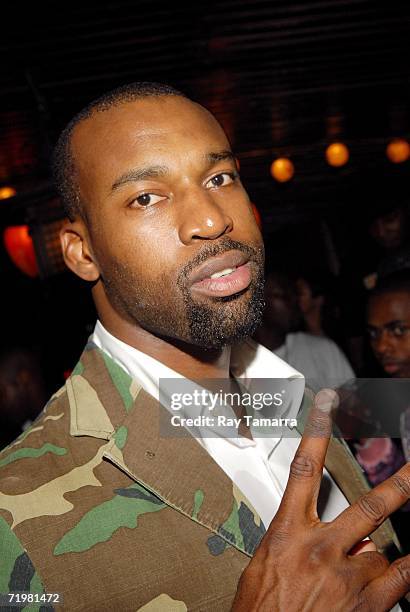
column 363, row 517
column 369, row 565
column 362, row 547
column 386, row 590
column 300, row 496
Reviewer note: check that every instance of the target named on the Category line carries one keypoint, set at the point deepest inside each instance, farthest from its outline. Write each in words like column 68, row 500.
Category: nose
column 383, row 344
column 202, row 218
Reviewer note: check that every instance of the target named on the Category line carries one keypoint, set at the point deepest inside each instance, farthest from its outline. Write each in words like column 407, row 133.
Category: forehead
column 145, row 128
column 386, row 307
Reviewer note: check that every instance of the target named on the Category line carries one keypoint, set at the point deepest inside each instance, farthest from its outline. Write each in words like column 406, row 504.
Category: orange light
column 282, row 169
column 7, row 192
column 19, row 246
column 337, row 154
column 257, row 215
column 398, row 150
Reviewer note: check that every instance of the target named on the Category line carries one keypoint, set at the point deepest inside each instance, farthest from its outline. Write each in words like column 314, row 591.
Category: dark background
column 284, row 78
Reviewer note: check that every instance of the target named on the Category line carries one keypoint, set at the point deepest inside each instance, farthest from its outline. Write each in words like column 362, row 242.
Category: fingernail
column 326, row 400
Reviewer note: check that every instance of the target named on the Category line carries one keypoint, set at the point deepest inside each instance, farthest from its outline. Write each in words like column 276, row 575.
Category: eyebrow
column 151, row 172
column 395, row 322
column 387, row 325
column 139, row 174
column 212, row 158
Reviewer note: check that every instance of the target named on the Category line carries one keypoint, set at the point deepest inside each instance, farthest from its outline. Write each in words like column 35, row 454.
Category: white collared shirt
column 258, row 467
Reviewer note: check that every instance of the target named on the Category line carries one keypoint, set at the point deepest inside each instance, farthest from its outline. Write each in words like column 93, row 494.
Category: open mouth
column 227, row 282
column 223, row 273
column 222, row 276
column 391, row 367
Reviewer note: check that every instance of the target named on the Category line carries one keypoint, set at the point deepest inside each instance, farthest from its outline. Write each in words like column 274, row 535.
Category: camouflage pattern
column 17, row 571
column 96, row 506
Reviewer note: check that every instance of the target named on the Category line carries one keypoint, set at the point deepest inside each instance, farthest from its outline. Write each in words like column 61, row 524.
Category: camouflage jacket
column 97, row 507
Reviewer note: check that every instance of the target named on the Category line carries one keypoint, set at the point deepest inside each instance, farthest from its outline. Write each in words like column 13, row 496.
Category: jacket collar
column 106, row 403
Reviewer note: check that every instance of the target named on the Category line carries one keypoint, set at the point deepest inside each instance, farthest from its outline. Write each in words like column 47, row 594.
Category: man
column 385, row 234
column 319, row 358
column 319, row 305
column 388, row 326
column 22, row 392
column 96, row 506
column 388, row 323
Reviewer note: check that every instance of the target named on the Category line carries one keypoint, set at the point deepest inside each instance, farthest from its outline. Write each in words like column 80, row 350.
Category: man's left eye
column 399, row 331
column 220, row 180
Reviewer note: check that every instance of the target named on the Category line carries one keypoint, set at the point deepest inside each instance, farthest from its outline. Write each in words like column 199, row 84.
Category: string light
column 282, row 169
column 7, row 192
column 398, row 150
column 337, row 154
column 19, row 246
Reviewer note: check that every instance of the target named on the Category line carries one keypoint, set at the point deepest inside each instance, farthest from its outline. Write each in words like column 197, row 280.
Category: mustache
column 390, row 361
column 211, row 250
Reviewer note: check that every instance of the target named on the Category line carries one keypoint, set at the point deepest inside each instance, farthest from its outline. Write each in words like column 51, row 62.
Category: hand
column 303, row 564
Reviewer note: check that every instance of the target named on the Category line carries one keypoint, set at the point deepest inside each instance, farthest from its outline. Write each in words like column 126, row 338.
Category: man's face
column 388, row 230
column 282, row 310
column 166, row 215
column 388, row 322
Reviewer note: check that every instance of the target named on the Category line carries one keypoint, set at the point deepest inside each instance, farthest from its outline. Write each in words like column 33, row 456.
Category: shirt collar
column 249, row 361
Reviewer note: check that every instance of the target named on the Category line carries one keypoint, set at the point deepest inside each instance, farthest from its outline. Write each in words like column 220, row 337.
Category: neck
column 313, row 321
column 269, row 336
column 188, row 360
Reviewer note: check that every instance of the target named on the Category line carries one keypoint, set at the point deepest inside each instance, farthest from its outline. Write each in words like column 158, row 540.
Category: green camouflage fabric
column 95, row 505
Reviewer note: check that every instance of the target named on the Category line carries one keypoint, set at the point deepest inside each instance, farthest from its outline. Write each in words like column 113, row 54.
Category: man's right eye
column 372, row 333
column 147, row 199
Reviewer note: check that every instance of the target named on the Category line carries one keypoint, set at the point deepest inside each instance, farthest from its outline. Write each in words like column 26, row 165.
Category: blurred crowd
column 346, row 331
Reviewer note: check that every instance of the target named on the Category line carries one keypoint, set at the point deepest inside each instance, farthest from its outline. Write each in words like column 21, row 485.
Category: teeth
column 223, row 273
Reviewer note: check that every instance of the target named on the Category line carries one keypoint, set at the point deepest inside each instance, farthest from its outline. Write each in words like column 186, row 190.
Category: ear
column 77, row 252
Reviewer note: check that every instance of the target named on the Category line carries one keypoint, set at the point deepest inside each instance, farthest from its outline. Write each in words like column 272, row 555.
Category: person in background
column 311, row 300
column 22, row 392
column 388, row 327
column 385, row 235
column 317, row 298
column 388, row 323
column 317, row 357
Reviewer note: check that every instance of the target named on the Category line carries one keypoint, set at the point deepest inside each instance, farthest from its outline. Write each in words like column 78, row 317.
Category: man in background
column 388, row 328
column 388, row 323
column 385, row 234
column 22, row 392
column 317, row 357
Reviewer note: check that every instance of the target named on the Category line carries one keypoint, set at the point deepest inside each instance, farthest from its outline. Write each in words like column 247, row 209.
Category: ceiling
column 282, row 77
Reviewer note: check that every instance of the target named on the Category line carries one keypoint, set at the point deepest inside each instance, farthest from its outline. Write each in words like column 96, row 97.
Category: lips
column 391, row 367
column 231, row 271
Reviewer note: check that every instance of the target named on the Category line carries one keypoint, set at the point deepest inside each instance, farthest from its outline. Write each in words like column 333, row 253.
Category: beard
column 176, row 315
column 226, row 320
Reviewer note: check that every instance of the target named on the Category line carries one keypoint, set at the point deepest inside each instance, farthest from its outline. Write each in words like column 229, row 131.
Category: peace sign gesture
column 305, row 564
